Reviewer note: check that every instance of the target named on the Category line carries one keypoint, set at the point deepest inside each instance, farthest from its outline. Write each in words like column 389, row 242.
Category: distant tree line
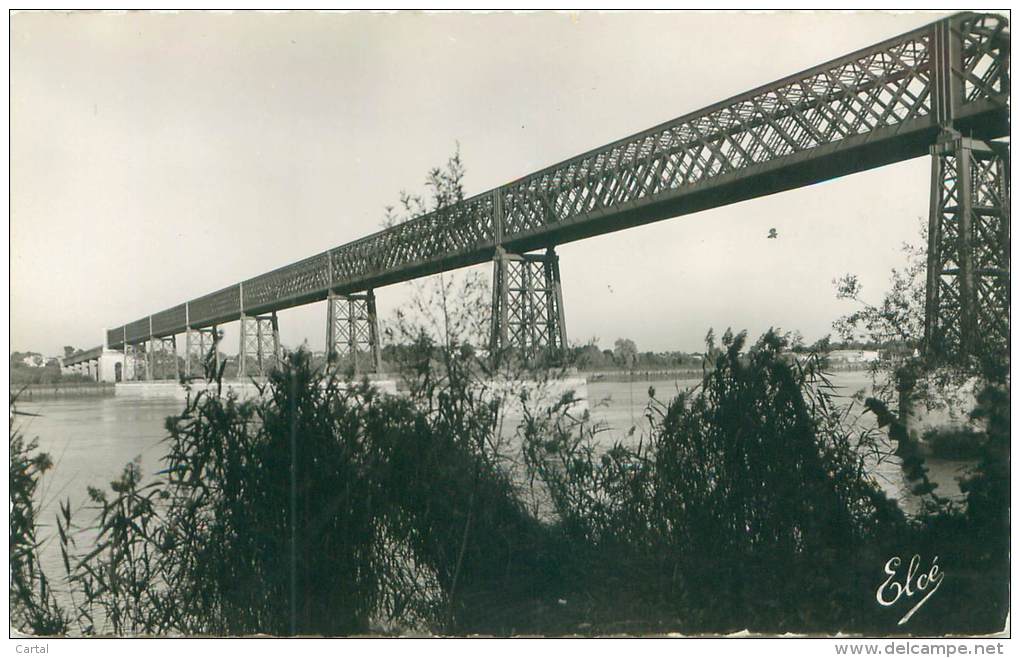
column 29, row 368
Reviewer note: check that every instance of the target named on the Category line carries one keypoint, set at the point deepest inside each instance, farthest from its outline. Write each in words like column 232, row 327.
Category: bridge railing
column 888, row 101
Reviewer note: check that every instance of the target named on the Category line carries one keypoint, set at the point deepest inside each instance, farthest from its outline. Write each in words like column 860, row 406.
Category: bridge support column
column 197, row 345
column 352, row 331
column 527, row 307
column 967, row 296
column 164, row 358
column 260, row 345
column 150, row 359
column 134, row 362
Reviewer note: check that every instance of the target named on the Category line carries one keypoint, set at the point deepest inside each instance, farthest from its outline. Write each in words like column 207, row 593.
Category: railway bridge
column 940, row 90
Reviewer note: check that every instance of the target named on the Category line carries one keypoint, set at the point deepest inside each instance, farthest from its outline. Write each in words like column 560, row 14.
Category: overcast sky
column 158, row 157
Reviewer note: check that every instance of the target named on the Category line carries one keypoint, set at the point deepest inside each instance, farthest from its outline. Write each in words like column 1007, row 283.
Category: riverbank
column 652, row 374
column 67, row 389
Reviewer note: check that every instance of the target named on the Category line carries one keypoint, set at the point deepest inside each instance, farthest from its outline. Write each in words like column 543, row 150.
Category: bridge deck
column 879, row 105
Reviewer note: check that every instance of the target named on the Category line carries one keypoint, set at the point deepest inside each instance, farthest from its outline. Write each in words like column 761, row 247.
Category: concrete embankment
column 76, row 389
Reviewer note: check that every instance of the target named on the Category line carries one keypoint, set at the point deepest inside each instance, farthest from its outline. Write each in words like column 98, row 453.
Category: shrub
column 32, row 603
column 749, row 506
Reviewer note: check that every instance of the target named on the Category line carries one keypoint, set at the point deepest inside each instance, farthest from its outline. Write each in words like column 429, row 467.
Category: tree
column 899, row 316
column 822, row 345
column 589, row 356
column 625, row 352
column 70, row 351
column 445, row 187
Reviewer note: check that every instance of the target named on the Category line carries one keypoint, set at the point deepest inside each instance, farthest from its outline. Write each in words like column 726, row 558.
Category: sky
column 156, row 157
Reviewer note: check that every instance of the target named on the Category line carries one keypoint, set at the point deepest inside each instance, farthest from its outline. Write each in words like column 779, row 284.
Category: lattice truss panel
column 138, row 331
column 200, row 346
column 260, row 346
column 216, row 305
column 968, row 251
column 883, row 88
column 171, row 320
column 984, row 46
column 526, row 304
column 352, row 331
column 290, row 282
column 464, row 226
column 115, row 337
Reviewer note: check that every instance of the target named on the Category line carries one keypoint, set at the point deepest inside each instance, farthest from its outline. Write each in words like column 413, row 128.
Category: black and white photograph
column 421, row 325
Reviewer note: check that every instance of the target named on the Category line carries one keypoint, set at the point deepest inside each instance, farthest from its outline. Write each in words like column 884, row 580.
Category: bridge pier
column 352, row 329
column 967, row 295
column 134, row 362
column 197, row 344
column 527, row 307
column 164, row 357
column 260, row 345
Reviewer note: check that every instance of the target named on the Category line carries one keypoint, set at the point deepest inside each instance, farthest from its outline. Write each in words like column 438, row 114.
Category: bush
column 737, row 511
column 322, row 508
column 32, row 602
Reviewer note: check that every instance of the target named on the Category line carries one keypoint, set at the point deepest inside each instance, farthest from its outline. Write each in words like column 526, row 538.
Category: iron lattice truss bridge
column 941, row 89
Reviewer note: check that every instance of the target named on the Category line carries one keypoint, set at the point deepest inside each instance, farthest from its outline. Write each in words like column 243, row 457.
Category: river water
column 91, row 439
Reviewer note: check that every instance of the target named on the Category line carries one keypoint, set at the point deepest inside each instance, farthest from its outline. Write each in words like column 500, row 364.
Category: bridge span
column 942, row 89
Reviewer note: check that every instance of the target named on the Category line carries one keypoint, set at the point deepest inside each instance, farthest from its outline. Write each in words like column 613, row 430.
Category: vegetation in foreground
column 328, row 509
